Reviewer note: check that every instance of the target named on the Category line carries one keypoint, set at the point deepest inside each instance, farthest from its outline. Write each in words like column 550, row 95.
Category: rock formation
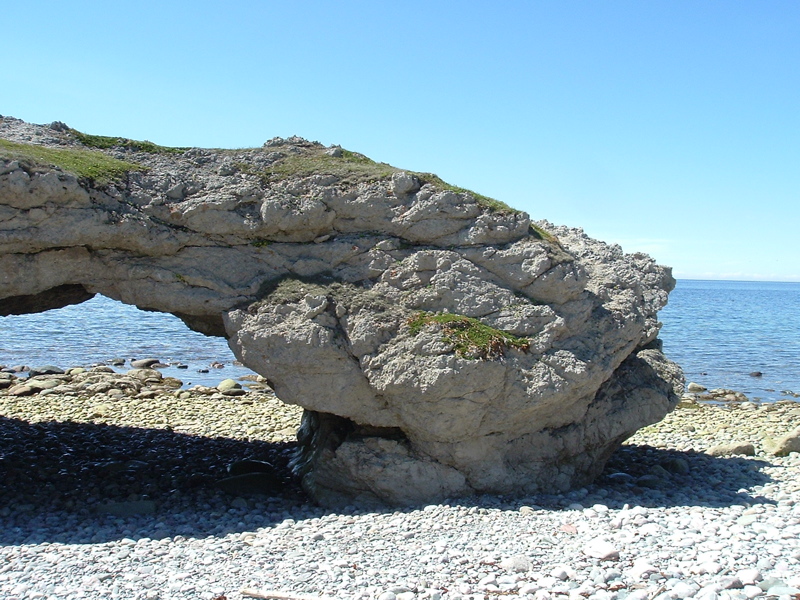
column 441, row 343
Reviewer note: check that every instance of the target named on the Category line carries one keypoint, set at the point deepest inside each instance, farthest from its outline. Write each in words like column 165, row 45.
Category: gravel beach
column 118, row 486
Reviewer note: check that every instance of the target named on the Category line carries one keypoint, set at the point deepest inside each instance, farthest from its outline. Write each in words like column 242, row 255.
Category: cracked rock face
column 441, row 345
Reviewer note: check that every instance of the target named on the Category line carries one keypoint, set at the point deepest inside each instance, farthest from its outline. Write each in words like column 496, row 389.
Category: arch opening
column 70, row 327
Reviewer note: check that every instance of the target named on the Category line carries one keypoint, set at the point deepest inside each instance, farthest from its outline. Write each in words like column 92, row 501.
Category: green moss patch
column 541, row 234
column 485, row 201
column 104, row 142
column 98, row 167
column 469, row 337
column 350, row 167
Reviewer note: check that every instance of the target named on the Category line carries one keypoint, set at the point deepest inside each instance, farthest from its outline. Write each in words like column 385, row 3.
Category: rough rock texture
column 442, row 344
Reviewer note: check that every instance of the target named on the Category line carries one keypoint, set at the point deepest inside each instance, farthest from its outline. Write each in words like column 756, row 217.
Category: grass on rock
column 352, row 167
column 469, row 337
column 541, row 234
column 104, row 142
column 90, row 164
column 485, row 201
column 312, row 159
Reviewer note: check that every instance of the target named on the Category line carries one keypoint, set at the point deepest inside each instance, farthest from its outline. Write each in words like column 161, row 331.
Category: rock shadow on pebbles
column 111, row 479
column 647, row 476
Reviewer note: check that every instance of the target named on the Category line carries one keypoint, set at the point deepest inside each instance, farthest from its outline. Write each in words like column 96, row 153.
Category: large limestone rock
column 442, row 344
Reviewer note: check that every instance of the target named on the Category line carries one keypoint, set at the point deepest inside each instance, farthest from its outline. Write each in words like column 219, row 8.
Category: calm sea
column 101, row 329
column 719, row 331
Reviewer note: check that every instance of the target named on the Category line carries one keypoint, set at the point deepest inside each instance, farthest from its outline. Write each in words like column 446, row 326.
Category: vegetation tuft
column 469, row 337
column 352, row 167
column 104, row 142
column 541, row 234
column 485, row 201
column 89, row 164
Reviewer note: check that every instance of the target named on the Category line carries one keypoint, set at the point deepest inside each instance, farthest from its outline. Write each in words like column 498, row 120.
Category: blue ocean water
column 101, row 329
column 718, row 331
column 721, row 331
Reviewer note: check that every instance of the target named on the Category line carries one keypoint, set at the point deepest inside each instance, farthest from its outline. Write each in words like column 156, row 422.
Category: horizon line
column 738, row 280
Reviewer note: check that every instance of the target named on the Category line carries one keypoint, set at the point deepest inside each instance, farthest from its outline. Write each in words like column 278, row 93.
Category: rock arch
column 441, row 343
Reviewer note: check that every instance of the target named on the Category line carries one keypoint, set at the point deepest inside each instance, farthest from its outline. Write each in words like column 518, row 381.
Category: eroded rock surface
column 442, row 345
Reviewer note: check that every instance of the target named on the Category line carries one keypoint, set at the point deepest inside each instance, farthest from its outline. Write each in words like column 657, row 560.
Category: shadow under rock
column 655, row 477
column 58, row 478
column 73, row 482
column 652, row 478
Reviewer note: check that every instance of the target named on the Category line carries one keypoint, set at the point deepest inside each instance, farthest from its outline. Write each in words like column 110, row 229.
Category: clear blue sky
column 669, row 127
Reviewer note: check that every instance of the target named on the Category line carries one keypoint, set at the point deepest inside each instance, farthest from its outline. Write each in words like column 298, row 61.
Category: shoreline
column 117, row 492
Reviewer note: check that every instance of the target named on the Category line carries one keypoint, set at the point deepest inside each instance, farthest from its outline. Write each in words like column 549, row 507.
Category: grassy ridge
column 484, row 201
column 89, row 164
column 104, row 142
column 352, row 167
column 349, row 167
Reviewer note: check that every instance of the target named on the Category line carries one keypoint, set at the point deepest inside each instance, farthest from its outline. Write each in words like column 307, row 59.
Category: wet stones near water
column 723, row 395
column 103, row 389
column 229, row 387
column 21, row 390
column 695, row 391
column 45, row 370
column 147, row 363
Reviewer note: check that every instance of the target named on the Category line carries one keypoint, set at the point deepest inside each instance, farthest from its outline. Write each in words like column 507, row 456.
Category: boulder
column 441, row 343
column 784, row 445
column 732, row 448
column 144, row 363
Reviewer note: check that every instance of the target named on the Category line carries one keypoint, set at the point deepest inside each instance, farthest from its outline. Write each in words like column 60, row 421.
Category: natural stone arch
column 442, row 343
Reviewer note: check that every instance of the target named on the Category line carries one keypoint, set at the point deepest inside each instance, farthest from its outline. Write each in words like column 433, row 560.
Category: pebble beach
column 125, row 485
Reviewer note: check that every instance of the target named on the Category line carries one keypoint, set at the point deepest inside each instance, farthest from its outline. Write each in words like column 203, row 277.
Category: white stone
column 749, row 576
column 641, row 568
column 601, row 549
column 516, row 564
column 752, row 591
